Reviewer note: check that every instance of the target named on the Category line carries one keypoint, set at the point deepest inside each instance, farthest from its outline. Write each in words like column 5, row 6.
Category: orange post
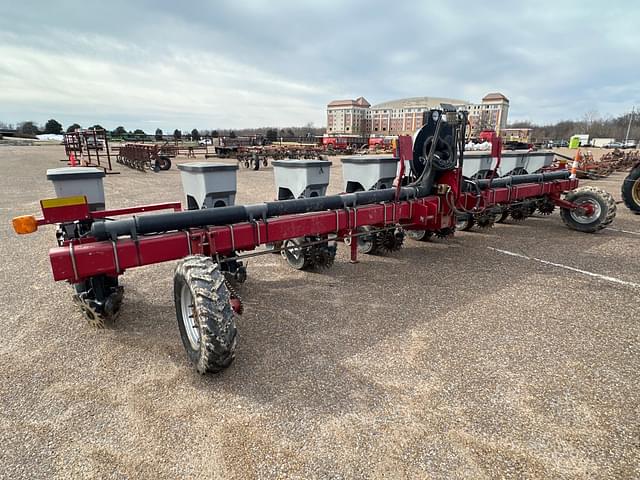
column 576, row 163
column 72, row 159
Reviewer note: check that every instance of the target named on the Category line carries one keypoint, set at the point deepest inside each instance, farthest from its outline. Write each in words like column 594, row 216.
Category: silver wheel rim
column 188, row 317
column 583, row 219
column 293, row 252
column 365, row 242
column 417, row 234
column 461, row 223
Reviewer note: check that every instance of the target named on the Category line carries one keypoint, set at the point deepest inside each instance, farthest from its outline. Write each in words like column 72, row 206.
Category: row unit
column 211, row 185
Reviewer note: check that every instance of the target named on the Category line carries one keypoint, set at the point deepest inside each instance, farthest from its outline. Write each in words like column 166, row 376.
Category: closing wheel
column 464, row 222
column 99, row 299
column 601, row 209
column 631, row 190
column 295, row 254
column 503, row 215
column 419, row 235
column 205, row 318
column 368, row 243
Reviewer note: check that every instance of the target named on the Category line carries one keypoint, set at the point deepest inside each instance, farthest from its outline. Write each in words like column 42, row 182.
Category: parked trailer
column 93, row 253
column 601, row 142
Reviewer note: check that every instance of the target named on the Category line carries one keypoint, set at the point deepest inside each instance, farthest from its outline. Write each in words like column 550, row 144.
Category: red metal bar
column 175, row 206
column 75, row 261
column 81, row 212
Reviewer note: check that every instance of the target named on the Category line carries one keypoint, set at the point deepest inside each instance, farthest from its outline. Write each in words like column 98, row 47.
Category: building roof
column 358, row 102
column 418, row 102
column 494, row 96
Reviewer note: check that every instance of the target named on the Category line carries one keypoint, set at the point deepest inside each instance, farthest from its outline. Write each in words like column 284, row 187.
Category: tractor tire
column 205, row 318
column 164, row 163
column 602, row 202
column 631, row 190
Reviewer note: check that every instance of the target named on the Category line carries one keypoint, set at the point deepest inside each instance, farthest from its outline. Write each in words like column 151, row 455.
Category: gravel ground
column 445, row 360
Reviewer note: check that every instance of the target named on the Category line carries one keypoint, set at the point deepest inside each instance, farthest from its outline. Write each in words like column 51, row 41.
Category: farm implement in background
column 144, row 157
column 89, row 148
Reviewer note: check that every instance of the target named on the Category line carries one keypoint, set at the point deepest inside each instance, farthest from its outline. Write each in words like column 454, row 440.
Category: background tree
column 177, row 134
column 53, row 126
column 158, row 134
column 215, row 134
column 232, row 134
column 139, row 131
column 195, row 135
column 590, row 123
column 73, row 128
column 272, row 135
column 97, row 126
column 28, row 128
column 119, row 131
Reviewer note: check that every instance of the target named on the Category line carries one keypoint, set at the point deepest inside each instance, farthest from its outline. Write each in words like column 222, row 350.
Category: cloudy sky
column 216, row 64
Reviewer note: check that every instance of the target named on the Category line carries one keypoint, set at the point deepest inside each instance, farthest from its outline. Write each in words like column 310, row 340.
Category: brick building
column 404, row 116
column 348, row 117
column 491, row 114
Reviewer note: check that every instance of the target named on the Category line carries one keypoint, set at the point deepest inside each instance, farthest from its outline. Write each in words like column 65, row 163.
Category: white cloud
column 226, row 64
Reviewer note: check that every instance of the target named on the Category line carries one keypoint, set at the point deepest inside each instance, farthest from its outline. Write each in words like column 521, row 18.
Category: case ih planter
column 94, row 250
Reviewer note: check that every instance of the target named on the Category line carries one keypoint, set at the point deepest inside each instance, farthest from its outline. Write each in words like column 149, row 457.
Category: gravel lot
column 446, row 360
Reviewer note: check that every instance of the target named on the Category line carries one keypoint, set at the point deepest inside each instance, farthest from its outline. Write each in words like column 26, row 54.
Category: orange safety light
column 25, row 224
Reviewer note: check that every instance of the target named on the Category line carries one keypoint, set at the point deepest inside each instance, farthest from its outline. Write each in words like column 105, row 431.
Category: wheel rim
column 635, row 192
column 365, row 242
column 581, row 218
column 189, row 317
column 293, row 253
column 462, row 223
column 417, row 234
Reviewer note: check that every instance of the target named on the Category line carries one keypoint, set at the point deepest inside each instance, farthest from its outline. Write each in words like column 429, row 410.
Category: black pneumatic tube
column 165, row 222
column 520, row 179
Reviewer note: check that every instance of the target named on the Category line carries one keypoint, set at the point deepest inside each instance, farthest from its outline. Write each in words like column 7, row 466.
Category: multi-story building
column 405, row 116
column 491, row 114
column 402, row 117
column 348, row 117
